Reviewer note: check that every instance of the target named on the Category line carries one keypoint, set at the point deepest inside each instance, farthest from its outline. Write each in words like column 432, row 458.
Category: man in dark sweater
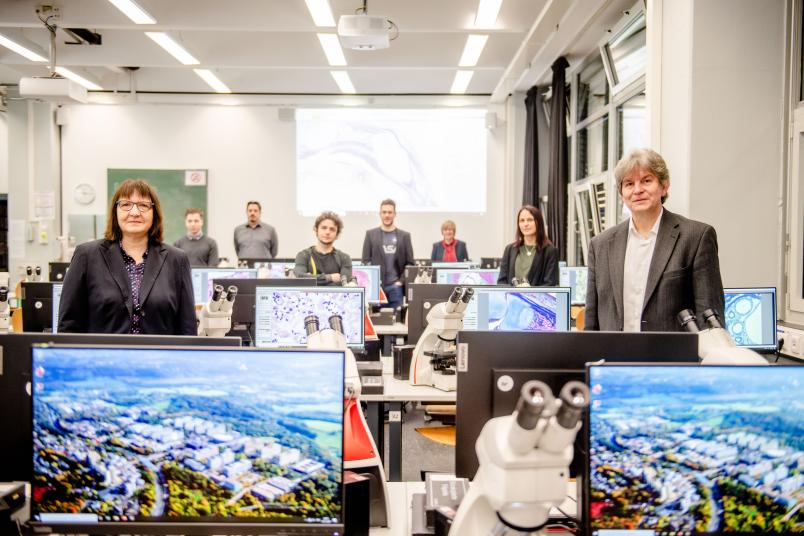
column 322, row 261
column 201, row 249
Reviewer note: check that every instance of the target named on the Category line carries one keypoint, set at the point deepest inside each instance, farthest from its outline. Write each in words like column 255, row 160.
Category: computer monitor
column 411, row 272
column 518, row 309
column 281, row 313
column 574, row 277
column 57, row 271
column 695, row 450
column 203, row 277
column 751, row 317
column 244, row 305
column 251, row 262
column 472, row 276
column 459, row 265
column 274, row 269
column 490, row 262
column 163, row 440
column 538, row 355
column 423, row 262
column 368, row 277
column 40, row 306
column 15, row 393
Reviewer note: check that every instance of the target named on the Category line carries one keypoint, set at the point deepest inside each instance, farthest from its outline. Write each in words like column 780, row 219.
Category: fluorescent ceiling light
column 321, row 12
column 472, row 50
column 133, row 11
column 461, row 82
column 332, row 49
column 173, row 48
column 212, row 80
column 343, row 81
column 487, row 11
column 75, row 77
column 15, row 42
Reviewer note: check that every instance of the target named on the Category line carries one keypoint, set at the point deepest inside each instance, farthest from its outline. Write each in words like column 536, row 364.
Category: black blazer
column 543, row 272
column 460, row 251
column 684, row 273
column 373, row 253
column 96, row 297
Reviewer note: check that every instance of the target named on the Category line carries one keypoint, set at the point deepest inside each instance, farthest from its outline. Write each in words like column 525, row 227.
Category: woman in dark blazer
column 129, row 282
column 449, row 249
column 531, row 256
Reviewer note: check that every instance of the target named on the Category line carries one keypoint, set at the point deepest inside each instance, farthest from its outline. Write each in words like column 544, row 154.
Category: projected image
column 150, row 434
column 750, row 318
column 348, row 160
column 281, row 313
column 468, row 277
column 519, row 311
column 697, row 449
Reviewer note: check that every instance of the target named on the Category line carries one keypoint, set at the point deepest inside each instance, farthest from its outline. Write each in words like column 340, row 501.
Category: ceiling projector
column 364, row 32
column 59, row 90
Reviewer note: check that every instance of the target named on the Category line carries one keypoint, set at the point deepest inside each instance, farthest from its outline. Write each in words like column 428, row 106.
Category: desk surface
column 397, row 328
column 402, row 391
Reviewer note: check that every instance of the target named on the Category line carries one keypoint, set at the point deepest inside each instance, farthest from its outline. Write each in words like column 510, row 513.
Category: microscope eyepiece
column 455, row 297
column 3, row 294
column 687, row 320
column 231, row 293
column 217, row 290
column 534, row 399
column 336, row 323
column 574, row 398
column 468, row 292
column 310, row 324
column 711, row 319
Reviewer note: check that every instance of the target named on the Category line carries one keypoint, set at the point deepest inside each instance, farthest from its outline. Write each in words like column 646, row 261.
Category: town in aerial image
column 148, row 434
column 697, row 449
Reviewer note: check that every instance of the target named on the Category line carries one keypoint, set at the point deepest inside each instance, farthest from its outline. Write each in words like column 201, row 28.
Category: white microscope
column 360, row 453
column 715, row 345
column 424, row 274
column 433, row 361
column 215, row 319
column 524, row 463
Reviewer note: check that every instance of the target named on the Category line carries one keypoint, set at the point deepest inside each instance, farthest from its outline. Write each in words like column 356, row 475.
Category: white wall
column 3, row 152
column 250, row 154
column 721, row 127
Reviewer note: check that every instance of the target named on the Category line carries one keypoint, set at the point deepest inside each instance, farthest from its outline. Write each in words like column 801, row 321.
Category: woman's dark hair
column 156, row 232
column 541, row 236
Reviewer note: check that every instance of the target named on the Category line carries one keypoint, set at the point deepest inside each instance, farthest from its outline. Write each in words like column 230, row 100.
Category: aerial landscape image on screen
column 697, row 449
column 178, row 434
column 522, row 311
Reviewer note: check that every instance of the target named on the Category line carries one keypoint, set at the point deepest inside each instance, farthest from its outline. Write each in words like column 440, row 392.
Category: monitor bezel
column 574, row 268
column 450, row 271
column 765, row 348
column 184, row 526
column 586, row 431
column 479, row 289
column 344, row 290
column 214, row 270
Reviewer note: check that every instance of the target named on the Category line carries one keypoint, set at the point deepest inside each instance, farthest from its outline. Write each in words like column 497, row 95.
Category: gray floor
column 419, row 453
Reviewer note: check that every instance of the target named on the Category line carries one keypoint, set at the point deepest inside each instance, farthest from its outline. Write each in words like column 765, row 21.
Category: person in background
column 531, row 258
column 255, row 239
column 130, row 281
column 322, row 261
column 391, row 249
column 449, row 249
column 646, row 270
column 202, row 250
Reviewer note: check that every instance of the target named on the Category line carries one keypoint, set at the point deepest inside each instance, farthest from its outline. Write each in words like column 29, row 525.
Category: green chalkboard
column 178, row 190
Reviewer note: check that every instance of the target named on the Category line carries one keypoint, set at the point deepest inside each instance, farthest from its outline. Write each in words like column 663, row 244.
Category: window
column 625, row 55
column 593, row 148
column 593, row 89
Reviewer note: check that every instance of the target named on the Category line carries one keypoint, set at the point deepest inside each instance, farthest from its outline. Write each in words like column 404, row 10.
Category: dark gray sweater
column 201, row 252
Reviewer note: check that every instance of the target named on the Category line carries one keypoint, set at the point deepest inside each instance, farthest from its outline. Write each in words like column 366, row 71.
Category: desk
column 395, row 393
column 389, row 333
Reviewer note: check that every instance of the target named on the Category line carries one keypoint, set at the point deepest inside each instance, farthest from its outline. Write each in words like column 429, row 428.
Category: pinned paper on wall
column 45, row 205
column 195, row 177
column 16, row 239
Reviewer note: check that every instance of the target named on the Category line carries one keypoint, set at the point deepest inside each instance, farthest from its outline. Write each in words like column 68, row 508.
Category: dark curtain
column 559, row 168
column 530, row 188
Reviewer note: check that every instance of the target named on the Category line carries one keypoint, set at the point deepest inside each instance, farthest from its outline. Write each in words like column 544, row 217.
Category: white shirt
column 638, row 254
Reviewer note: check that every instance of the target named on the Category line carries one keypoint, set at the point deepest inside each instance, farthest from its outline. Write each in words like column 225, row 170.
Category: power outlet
column 793, row 341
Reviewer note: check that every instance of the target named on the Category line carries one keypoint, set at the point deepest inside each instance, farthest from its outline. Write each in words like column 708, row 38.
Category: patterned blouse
column 135, row 273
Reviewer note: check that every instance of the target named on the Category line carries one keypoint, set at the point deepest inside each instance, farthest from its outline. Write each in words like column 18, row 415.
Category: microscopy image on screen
column 274, row 270
column 156, row 434
column 468, row 277
column 522, row 311
column 749, row 318
column 280, row 314
column 368, row 277
column 694, row 449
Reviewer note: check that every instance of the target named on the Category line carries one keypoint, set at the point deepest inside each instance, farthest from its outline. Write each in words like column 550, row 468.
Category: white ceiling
column 270, row 46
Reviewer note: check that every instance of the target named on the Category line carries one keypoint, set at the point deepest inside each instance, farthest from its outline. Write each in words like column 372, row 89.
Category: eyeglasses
column 142, row 206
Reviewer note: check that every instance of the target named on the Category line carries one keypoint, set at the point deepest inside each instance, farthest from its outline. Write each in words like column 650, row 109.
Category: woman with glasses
column 130, row 281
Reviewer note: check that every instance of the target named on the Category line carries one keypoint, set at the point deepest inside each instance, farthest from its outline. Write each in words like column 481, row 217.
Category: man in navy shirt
column 391, row 249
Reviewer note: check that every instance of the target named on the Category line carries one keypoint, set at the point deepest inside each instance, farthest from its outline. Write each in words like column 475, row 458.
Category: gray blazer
column 373, row 252
column 684, row 273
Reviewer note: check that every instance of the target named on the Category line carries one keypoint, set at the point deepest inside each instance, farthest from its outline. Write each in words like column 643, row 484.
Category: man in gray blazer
column 391, row 249
column 646, row 270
